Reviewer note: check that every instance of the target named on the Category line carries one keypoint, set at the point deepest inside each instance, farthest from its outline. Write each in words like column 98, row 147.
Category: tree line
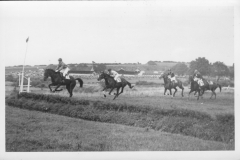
column 205, row 68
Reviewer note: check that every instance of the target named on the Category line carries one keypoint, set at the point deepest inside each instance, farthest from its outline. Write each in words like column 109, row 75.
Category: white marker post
column 21, row 87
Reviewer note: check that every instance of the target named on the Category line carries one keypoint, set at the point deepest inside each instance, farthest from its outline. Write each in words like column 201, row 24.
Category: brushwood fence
column 179, row 121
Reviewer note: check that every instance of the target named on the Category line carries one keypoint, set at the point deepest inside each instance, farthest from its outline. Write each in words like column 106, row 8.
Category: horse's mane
column 49, row 69
column 107, row 75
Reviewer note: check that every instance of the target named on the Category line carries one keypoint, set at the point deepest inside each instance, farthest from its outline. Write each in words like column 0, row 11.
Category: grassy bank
column 33, row 131
column 179, row 121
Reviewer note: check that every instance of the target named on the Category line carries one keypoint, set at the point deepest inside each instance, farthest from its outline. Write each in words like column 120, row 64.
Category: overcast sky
column 123, row 32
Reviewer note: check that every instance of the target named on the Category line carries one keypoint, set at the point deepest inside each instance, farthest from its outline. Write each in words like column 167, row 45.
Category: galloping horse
column 168, row 85
column 194, row 87
column 198, row 88
column 57, row 81
column 212, row 86
column 111, row 83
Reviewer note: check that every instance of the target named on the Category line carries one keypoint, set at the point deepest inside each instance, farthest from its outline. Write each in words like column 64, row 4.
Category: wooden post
column 21, row 85
column 28, row 86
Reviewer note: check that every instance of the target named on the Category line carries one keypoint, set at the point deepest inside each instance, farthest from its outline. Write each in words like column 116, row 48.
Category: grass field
column 37, row 131
column 98, row 136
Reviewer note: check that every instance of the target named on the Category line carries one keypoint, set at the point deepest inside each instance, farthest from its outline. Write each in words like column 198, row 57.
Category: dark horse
column 194, row 87
column 212, row 86
column 168, row 85
column 111, row 83
column 57, row 81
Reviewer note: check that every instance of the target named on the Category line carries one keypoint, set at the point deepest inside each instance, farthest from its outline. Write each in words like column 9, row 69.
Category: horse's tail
column 80, row 81
column 220, row 87
column 129, row 84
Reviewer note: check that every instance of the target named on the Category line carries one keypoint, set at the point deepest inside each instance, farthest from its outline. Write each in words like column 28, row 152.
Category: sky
column 121, row 32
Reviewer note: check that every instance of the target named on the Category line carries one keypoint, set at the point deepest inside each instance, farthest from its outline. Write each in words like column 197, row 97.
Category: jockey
column 62, row 68
column 169, row 72
column 173, row 78
column 114, row 74
column 197, row 76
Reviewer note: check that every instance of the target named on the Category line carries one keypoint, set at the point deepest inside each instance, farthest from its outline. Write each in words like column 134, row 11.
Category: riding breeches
column 173, row 79
column 64, row 71
column 117, row 78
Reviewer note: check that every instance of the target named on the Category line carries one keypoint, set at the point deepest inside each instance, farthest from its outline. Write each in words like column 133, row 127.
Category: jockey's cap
column 109, row 69
column 60, row 59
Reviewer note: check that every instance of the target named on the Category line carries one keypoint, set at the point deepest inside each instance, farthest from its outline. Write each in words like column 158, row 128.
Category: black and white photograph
column 119, row 79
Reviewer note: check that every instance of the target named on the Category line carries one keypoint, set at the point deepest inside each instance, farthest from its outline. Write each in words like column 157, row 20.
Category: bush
column 226, row 83
column 53, row 98
column 147, row 83
column 10, row 78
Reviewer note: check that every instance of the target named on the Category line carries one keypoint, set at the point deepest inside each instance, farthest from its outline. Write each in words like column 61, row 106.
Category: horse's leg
column 164, row 91
column 211, row 95
column 49, row 86
column 68, row 88
column 189, row 93
column 110, row 91
column 182, row 90
column 121, row 91
column 170, row 91
column 213, row 92
column 117, row 93
column 198, row 94
column 175, row 92
column 202, row 92
column 57, row 88
column 195, row 93
column 71, row 87
column 103, row 91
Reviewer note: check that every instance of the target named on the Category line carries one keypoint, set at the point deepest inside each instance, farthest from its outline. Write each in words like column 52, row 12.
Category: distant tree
column 151, row 63
column 180, row 68
column 10, row 78
column 219, row 69
column 201, row 64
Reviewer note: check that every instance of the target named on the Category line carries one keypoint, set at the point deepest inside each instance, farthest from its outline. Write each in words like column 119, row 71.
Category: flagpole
column 21, row 87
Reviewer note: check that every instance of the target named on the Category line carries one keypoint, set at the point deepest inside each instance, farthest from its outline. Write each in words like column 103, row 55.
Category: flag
column 27, row 39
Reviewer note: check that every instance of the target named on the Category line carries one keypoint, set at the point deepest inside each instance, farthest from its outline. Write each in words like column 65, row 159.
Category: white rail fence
column 24, row 88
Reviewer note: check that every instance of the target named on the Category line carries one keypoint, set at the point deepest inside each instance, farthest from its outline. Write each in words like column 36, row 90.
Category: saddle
column 210, row 82
column 200, row 82
column 118, row 80
column 62, row 77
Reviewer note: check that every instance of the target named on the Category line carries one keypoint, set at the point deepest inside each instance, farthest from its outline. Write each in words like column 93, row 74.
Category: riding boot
column 63, row 79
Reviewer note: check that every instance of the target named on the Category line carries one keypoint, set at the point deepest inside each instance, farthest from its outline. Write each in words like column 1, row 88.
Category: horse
column 168, row 85
column 110, row 83
column 56, row 79
column 196, row 87
column 212, row 87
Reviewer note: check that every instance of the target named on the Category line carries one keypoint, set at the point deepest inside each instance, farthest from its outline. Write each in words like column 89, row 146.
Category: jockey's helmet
column 109, row 69
column 60, row 59
column 196, row 71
